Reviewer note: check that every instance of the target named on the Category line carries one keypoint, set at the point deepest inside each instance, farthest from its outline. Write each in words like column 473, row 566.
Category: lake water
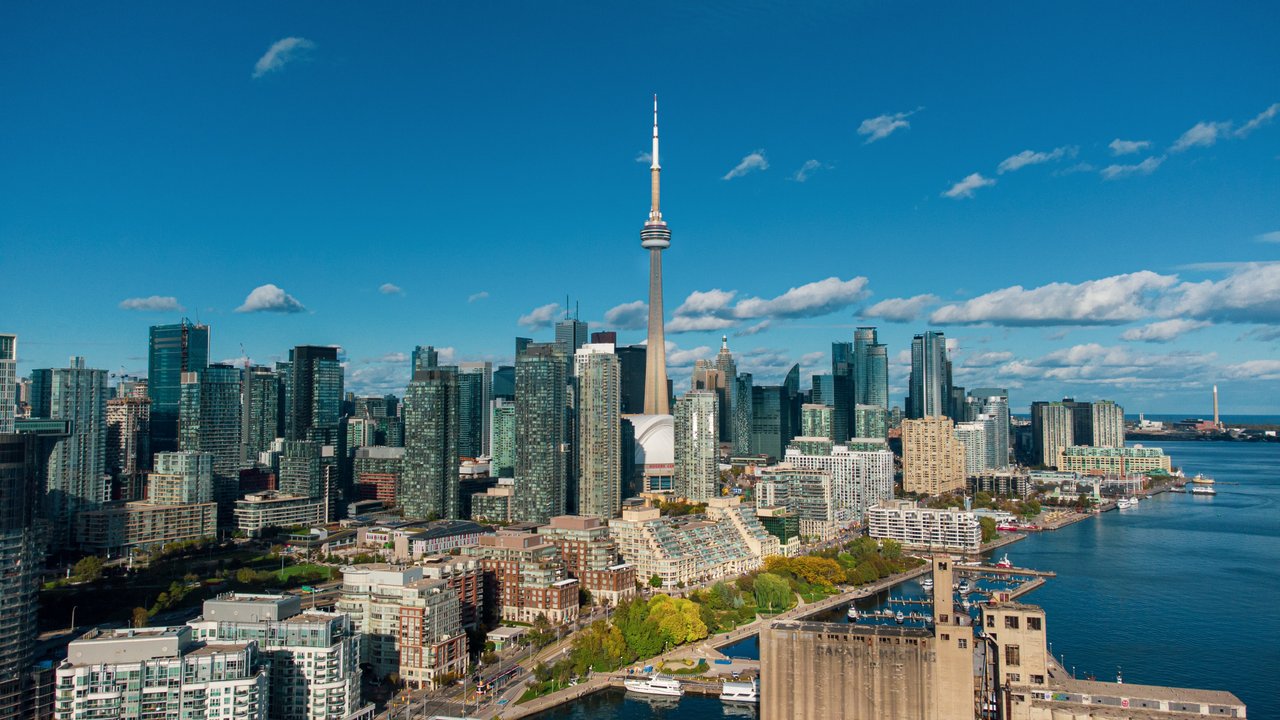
column 1175, row 592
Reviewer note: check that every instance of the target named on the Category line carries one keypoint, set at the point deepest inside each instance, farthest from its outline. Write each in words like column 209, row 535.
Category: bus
column 495, row 682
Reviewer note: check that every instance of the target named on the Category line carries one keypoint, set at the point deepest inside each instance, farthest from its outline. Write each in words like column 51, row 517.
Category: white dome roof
column 655, row 439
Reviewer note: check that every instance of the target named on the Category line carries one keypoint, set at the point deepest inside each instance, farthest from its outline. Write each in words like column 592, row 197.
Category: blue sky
column 910, row 165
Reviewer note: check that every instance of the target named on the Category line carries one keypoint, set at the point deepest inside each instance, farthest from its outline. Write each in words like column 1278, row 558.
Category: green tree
column 88, row 569
column 655, row 581
column 989, row 531
column 141, row 617
column 772, row 593
column 640, row 632
column 678, row 619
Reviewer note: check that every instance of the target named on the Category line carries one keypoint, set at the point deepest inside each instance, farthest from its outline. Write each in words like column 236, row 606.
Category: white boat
column 656, row 685
column 899, row 618
column 926, row 584
column 740, row 692
column 852, row 614
column 965, row 588
column 1124, row 503
column 1005, row 562
column 1201, row 489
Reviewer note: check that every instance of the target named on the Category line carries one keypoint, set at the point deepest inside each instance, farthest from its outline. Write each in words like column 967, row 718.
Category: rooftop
column 1150, row 692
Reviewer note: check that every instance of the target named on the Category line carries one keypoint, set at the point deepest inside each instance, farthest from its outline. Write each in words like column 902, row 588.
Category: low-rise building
column 143, row 526
column 527, row 577
column 146, row 673
column 728, row 541
column 408, row 625
column 591, row 555
column 313, row 657
column 921, row 527
column 258, row 512
column 376, row 471
column 1136, row 460
column 410, row 542
column 466, row 577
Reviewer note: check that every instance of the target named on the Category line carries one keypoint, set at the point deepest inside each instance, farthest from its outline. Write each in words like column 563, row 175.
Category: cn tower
column 655, row 237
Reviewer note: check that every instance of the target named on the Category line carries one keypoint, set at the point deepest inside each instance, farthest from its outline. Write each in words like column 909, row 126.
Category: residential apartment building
column 466, row 577
column 142, row 525
column 861, row 471
column 1120, row 461
column 920, row 527
column 933, row 460
column 590, row 554
column 261, row 511
column 808, row 494
column 527, row 577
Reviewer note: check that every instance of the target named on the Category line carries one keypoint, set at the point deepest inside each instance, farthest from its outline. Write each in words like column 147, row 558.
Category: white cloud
column 808, row 300
column 756, row 329
column 1095, row 364
column 965, row 188
column 752, row 162
column 1259, row 120
column 698, row 323
column 390, row 289
column 645, row 157
column 1268, row 237
column 882, row 126
column 281, row 53
column 1128, row 147
column 477, row 297
column 628, row 316
column 393, row 357
column 987, row 359
column 1202, row 134
column 154, row 303
column 1254, row 370
column 540, row 317
column 1029, row 157
column 1112, row 300
column 1163, row 331
column 1250, row 294
column 677, row 358
column 900, row 309
column 806, row 170
column 1146, row 167
column 270, row 298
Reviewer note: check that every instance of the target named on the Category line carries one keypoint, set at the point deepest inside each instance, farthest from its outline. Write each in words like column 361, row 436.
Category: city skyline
column 898, row 201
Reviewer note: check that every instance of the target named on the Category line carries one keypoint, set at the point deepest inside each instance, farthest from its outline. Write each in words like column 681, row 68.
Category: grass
column 305, row 569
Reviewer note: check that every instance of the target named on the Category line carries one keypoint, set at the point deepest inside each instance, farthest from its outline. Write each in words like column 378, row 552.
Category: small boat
column 1201, row 480
column 1124, row 503
column 966, row 604
column 740, row 692
column 852, row 614
column 965, row 588
column 656, row 685
column 1004, row 562
column 1201, row 489
column 899, row 618
column 926, row 584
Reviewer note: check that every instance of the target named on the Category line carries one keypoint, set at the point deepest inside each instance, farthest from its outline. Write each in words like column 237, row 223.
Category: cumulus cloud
column 153, row 303
column 1269, row 237
column 1029, row 157
column 1254, row 370
column 882, row 126
column 540, row 317
column 806, row 170
column 645, row 157
column 1146, row 167
column 281, row 53
column 900, row 309
column 1163, row 331
column 965, row 188
column 1112, row 300
column 390, row 289
column 1128, row 147
column 270, row 298
column 477, row 297
column 756, row 329
column 987, row 359
column 677, row 358
column 752, row 162
column 1202, row 134
column 719, row 309
column 1259, row 120
column 628, row 316
column 392, row 357
column 1250, row 294
column 698, row 323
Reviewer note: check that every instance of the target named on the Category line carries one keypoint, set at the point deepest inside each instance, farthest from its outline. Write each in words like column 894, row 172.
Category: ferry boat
column 926, row 584
column 740, row 692
column 1201, row 480
column 1125, row 503
column 656, row 685
column 1201, row 489
column 1004, row 562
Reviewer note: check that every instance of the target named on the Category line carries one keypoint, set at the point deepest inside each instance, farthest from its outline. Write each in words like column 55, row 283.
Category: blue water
column 1175, row 592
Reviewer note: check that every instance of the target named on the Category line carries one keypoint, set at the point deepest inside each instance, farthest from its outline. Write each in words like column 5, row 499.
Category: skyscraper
column 770, row 420
column 77, row 463
column 571, row 334
column 842, row 390
column 502, row 442
column 175, row 349
column 871, row 376
column 541, row 434
column 260, row 412
column 8, row 381
column 423, row 357
column 816, row 420
column 313, row 394
column 599, row 428
column 20, row 556
column 209, row 422
column 995, row 404
column 973, row 436
column 632, row 361
column 822, row 391
column 1052, row 428
column 475, row 388
column 724, row 394
column 696, row 446
column 872, row 421
column 743, row 414
column 933, row 459
column 930, row 391
column 1108, row 424
column 181, row 478
column 429, row 479
column 655, row 237
column 128, row 445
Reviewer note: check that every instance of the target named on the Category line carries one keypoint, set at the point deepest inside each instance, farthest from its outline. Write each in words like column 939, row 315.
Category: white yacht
column 852, row 614
column 656, row 685
column 743, row 692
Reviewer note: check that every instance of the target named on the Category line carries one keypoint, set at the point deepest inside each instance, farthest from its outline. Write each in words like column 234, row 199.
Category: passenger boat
column 926, row 584
column 656, row 685
column 852, row 614
column 965, row 588
column 1201, row 489
column 740, row 692
column 1124, row 503
column 1004, row 562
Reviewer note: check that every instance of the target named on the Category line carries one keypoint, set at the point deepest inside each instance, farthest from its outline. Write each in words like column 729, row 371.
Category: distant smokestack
column 1216, row 422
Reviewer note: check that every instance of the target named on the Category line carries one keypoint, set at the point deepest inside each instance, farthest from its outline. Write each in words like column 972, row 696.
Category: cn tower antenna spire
column 655, row 237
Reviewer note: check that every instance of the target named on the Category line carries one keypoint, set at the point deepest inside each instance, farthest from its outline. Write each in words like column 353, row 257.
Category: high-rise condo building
column 725, row 393
column 995, row 404
column 932, row 458
column 571, row 334
column 929, row 386
column 429, row 479
column 299, row 471
column 175, row 349
column 21, row 556
column 76, row 465
column 599, row 431
column 424, row 357
column 1052, row 428
column 655, row 237
column 816, row 421
column 770, row 420
column 743, row 414
column 209, row 418
column 541, row 433
column 260, row 422
column 973, row 436
column 128, row 445
column 872, row 421
column 181, row 478
column 8, row 381
column 502, row 442
column 475, row 389
column 822, row 391
column 313, row 397
column 631, row 358
column 696, row 446
column 842, row 390
column 1108, row 424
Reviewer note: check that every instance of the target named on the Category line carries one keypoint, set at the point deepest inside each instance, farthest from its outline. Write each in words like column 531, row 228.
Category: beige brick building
column 932, row 457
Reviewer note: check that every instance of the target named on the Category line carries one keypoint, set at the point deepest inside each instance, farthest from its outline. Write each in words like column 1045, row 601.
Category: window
column 1012, row 655
column 1037, row 679
column 1033, row 623
column 1011, row 622
column 1014, row 677
column 964, row 643
column 991, row 621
